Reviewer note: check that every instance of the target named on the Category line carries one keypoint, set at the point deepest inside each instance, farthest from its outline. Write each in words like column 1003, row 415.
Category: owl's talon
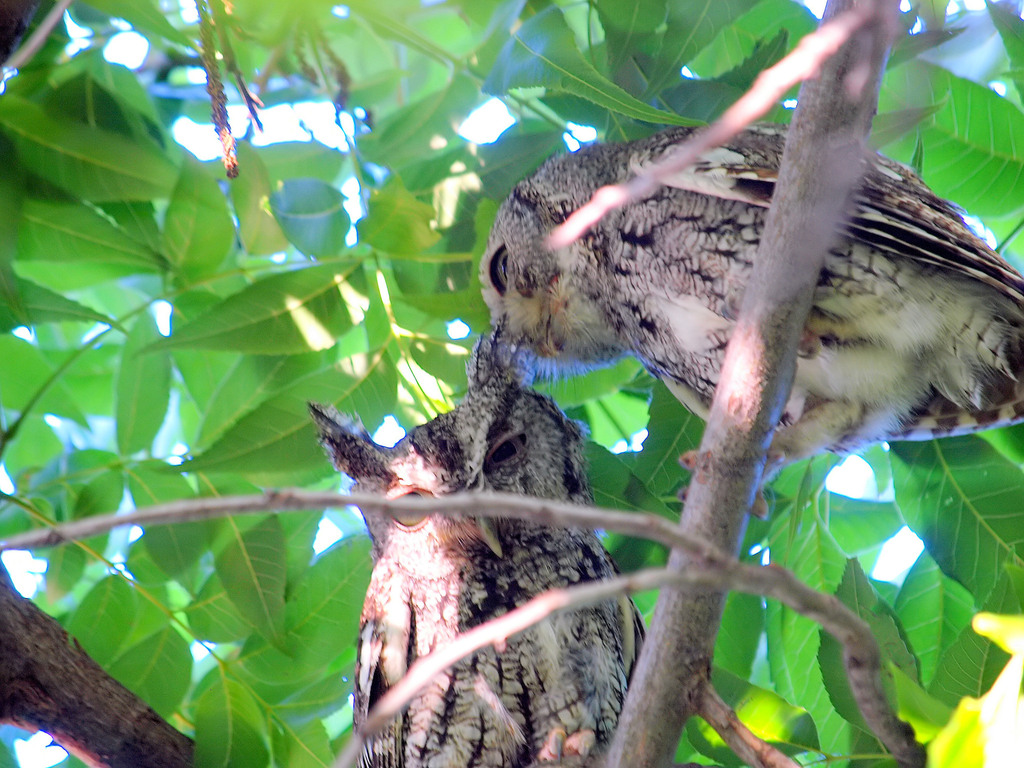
column 580, row 743
column 552, row 750
column 810, row 345
column 559, row 745
column 759, row 508
column 688, row 460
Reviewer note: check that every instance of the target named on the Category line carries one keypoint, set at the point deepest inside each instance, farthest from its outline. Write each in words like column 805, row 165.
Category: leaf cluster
column 161, row 329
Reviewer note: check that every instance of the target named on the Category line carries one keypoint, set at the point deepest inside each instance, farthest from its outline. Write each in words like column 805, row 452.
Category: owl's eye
column 499, row 270
column 506, row 450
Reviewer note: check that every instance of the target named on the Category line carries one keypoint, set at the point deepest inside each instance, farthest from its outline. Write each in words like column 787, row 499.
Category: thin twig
column 747, row 746
column 801, row 63
column 709, row 566
column 23, row 55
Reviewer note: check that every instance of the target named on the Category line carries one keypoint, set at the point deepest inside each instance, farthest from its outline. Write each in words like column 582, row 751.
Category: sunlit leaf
column 286, row 313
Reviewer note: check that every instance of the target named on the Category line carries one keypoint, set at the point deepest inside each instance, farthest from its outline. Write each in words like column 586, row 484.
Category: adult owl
column 916, row 329
column 553, row 690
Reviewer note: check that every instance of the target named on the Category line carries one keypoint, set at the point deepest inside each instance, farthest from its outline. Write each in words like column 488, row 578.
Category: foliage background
column 110, row 224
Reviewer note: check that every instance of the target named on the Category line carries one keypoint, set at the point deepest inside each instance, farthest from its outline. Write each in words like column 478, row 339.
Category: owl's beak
column 554, row 302
column 490, row 535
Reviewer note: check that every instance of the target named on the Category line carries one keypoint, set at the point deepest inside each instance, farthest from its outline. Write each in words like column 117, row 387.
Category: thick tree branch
column 707, row 567
column 47, row 682
column 824, row 149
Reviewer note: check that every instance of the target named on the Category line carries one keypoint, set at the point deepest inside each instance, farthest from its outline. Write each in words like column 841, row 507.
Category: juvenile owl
column 555, row 689
column 916, row 329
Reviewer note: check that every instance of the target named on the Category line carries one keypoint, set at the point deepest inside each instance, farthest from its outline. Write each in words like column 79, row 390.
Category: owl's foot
column 810, row 344
column 559, row 745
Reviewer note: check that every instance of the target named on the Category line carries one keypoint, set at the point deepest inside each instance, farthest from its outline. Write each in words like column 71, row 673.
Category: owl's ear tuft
column 349, row 445
column 493, row 357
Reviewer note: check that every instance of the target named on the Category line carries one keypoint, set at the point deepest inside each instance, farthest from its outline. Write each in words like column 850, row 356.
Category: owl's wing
column 895, row 212
column 633, row 632
column 384, row 749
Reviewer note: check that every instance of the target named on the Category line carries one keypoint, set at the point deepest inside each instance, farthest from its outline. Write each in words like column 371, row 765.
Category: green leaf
column 99, row 621
column 961, row 744
column 672, row 432
column 198, row 231
column 764, row 712
column 278, row 438
column 543, row 53
column 629, row 26
column 405, row 135
column 250, row 194
column 25, row 381
column 252, row 569
column 1010, row 27
column 397, row 223
column 964, row 500
column 285, row 313
column 301, row 159
column 143, row 387
column 304, row 747
column 312, row 216
column 856, row 592
column 157, row 668
column 91, row 163
column 739, row 633
column 923, row 712
column 76, row 232
column 326, row 604
column 212, row 615
column 251, row 381
column 803, row 544
column 37, row 305
column 933, row 610
column 692, row 25
column 972, row 154
column 230, row 728
column 972, row 663
column 143, row 15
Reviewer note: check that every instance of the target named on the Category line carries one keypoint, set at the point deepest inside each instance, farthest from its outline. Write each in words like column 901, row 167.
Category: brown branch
column 47, row 682
column 748, row 747
column 802, row 63
column 823, row 151
column 707, row 566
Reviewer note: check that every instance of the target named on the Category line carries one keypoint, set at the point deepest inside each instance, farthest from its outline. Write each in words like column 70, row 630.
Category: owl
column 551, row 691
column 915, row 331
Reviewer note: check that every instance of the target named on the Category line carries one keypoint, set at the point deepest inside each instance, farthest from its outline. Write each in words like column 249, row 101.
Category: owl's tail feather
column 940, row 417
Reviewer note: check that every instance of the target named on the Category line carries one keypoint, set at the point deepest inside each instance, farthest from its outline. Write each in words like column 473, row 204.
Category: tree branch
column 706, row 567
column 820, row 163
column 748, row 747
column 47, row 682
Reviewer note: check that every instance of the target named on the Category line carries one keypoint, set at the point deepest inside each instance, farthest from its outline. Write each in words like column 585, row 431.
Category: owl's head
column 547, row 300
column 501, row 437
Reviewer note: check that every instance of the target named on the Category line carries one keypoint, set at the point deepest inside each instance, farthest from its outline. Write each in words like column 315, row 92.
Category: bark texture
column 48, row 683
column 822, row 151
